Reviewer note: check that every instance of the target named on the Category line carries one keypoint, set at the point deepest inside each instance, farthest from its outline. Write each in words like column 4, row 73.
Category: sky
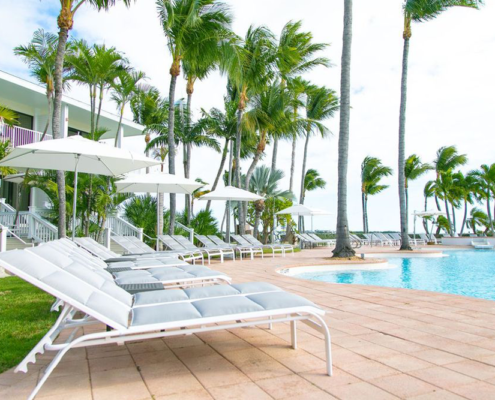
column 450, row 96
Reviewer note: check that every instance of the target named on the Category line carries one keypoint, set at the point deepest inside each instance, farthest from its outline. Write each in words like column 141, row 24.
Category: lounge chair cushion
column 272, row 301
column 164, row 313
column 226, row 306
column 255, row 287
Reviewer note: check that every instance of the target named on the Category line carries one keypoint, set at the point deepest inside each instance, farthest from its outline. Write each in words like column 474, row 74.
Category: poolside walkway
column 387, row 344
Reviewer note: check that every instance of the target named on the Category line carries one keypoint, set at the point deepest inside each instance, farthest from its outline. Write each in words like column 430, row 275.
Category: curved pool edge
column 436, row 254
column 375, row 266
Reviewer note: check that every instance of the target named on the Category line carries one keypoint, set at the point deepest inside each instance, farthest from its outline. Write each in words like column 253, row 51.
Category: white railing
column 19, row 136
column 190, row 230
column 29, row 225
column 120, row 227
column 6, row 207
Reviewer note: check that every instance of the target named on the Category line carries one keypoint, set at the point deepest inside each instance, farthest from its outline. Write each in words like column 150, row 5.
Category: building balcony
column 20, row 136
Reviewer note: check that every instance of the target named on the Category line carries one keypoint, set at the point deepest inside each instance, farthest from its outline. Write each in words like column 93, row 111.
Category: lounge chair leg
column 270, row 325
column 293, row 334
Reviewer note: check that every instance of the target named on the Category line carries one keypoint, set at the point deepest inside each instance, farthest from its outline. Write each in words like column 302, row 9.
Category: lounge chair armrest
column 118, row 269
column 134, row 288
column 123, row 259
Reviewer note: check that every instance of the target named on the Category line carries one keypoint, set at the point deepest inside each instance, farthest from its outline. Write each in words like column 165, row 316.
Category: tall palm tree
column 372, row 172
column 466, row 186
column 486, row 188
column 40, row 55
column 65, row 22
column 296, row 54
column 265, row 183
column 188, row 25
column 477, row 217
column 413, row 170
column 311, row 181
column 417, row 11
column 250, row 67
column 322, row 103
column 124, row 88
column 343, row 246
column 447, row 160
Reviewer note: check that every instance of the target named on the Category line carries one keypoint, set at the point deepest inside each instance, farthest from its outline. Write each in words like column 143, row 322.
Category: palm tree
column 40, row 55
column 343, row 246
column 250, row 67
column 322, row 103
column 447, row 160
column 486, row 188
column 478, row 217
column 188, row 26
column 65, row 21
column 312, row 181
column 372, row 172
column 265, row 183
column 124, row 88
column 413, row 170
column 466, row 187
column 295, row 55
column 7, row 116
column 417, row 11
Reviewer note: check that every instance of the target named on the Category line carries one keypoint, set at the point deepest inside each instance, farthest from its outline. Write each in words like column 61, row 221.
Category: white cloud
column 450, row 99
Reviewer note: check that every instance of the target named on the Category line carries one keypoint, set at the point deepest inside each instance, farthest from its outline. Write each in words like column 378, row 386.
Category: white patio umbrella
column 158, row 182
column 424, row 214
column 231, row 193
column 303, row 211
column 78, row 155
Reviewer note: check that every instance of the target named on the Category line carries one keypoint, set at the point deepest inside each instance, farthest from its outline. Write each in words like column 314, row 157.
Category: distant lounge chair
column 150, row 315
column 245, row 244
column 241, row 250
column 210, row 252
column 174, row 245
column 316, row 237
column 275, row 247
column 482, row 244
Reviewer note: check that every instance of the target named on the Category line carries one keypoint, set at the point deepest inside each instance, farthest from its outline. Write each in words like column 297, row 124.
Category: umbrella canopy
column 89, row 156
column 298, row 209
column 431, row 213
column 15, row 178
column 79, row 155
column 231, row 193
column 157, row 182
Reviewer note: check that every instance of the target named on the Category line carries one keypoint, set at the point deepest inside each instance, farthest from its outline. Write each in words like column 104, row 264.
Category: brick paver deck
column 387, row 344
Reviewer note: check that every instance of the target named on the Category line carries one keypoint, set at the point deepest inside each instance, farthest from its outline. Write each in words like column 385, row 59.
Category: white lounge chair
column 317, row 238
column 61, row 252
column 241, row 250
column 274, row 247
column 210, row 252
column 134, row 246
column 246, row 245
column 103, row 302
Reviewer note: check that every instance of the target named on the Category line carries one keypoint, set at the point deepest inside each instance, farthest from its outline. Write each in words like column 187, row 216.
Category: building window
column 77, row 132
column 25, row 121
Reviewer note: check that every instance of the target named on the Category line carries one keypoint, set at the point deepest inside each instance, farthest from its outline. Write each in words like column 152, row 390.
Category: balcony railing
column 19, row 136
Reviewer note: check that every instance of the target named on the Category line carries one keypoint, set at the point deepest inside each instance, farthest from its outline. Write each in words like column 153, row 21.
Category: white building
column 29, row 101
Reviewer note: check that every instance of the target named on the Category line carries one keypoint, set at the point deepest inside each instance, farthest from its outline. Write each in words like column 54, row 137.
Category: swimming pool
column 468, row 273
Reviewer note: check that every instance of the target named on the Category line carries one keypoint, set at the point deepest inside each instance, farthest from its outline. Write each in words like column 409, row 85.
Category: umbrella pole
column 157, row 216
column 227, row 225
column 74, row 199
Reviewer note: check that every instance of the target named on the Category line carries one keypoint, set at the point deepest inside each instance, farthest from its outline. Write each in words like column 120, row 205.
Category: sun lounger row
column 63, row 270
column 312, row 240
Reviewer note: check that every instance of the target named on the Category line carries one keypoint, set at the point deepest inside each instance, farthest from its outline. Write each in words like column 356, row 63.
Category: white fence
column 19, row 136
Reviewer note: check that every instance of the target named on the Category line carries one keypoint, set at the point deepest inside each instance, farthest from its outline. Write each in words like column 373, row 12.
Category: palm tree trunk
column 454, row 227
column 220, row 170
column 465, row 217
column 363, row 203
column 116, row 143
column 448, row 216
column 256, row 223
column 303, row 175
column 161, row 201
column 274, row 155
column 343, row 246
column 171, row 147
column 242, row 221
column 489, row 212
column 100, row 103
column 404, row 218
column 187, row 161
column 57, row 109
column 293, row 163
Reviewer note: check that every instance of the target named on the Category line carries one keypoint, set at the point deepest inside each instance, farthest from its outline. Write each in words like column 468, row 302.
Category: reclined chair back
column 239, row 239
column 132, row 244
column 205, row 241
column 107, row 303
column 171, row 243
column 215, row 239
column 184, row 242
column 95, row 248
column 252, row 240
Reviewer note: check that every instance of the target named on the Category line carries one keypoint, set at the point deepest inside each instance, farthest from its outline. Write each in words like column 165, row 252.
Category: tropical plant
column 312, row 181
column 465, row 188
column 196, row 194
column 372, row 172
column 7, row 116
column 296, row 54
column 188, row 25
column 250, row 68
column 322, row 103
column 125, row 86
column 40, row 55
column 5, row 149
column 477, row 218
column 265, row 182
column 485, row 181
column 343, row 246
column 417, row 11
column 413, row 170
column 65, row 21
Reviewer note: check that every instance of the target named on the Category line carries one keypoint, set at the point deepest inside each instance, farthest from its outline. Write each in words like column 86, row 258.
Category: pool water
column 468, row 273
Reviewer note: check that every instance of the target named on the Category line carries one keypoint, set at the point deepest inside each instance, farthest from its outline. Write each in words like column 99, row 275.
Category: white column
column 120, row 137
column 64, row 123
column 106, row 238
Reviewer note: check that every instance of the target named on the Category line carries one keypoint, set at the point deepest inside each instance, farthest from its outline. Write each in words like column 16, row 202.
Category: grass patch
column 25, row 318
